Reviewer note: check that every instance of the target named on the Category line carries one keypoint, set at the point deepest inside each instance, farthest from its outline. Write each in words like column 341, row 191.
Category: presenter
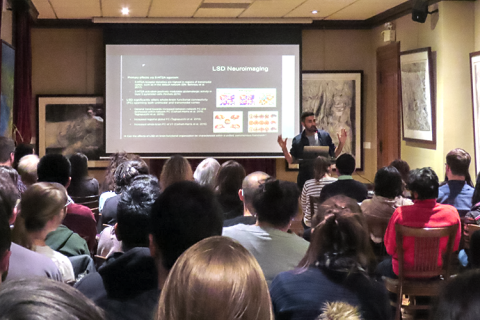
column 310, row 136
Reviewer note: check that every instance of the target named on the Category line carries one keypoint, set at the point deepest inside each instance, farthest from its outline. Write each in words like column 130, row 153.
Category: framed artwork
column 475, row 79
column 418, row 107
column 6, row 103
column 335, row 97
column 70, row 124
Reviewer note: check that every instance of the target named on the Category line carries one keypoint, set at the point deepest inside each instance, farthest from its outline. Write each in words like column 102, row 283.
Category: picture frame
column 70, row 124
column 7, row 90
column 336, row 97
column 417, row 96
column 475, row 83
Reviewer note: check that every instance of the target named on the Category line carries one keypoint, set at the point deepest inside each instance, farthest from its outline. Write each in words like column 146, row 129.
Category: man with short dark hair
column 345, row 184
column 310, row 136
column 128, row 282
column 458, row 191
column 250, row 184
column 424, row 213
column 79, row 219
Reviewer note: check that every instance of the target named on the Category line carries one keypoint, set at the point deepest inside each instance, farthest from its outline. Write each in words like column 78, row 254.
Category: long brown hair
column 321, row 166
column 343, row 233
column 215, row 279
column 40, row 203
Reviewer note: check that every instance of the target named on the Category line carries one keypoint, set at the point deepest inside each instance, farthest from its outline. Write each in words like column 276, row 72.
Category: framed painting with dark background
column 70, row 124
column 335, row 97
column 475, row 80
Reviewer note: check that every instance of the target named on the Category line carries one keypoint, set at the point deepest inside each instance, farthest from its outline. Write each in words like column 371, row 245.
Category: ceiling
column 215, row 9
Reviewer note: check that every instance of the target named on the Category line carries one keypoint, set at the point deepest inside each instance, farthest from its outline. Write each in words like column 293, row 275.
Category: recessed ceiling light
column 125, row 11
column 314, row 11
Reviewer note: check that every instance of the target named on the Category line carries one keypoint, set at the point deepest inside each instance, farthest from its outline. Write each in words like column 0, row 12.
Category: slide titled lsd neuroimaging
column 195, row 99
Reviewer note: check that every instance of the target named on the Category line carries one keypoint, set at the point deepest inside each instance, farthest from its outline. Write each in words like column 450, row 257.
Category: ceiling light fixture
column 125, row 11
column 314, row 11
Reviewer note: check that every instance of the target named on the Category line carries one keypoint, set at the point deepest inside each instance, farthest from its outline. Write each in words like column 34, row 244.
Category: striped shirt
column 312, row 188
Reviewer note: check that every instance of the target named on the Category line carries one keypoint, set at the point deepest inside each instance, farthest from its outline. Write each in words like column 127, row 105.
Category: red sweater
column 80, row 219
column 423, row 214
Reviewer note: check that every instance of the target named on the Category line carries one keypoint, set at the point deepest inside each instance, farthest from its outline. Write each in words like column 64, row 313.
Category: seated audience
column 134, row 266
column 24, row 263
column 67, row 242
column 5, row 240
column 333, row 269
column 227, row 183
column 43, row 299
column 404, row 170
column 81, row 185
column 175, row 169
column 27, row 168
column 79, row 218
column 458, row 189
column 250, row 185
column 215, row 279
column 183, row 214
column 424, row 213
column 42, row 209
column 388, row 197
column 206, row 172
column 276, row 250
column 345, row 165
column 124, row 174
column 459, row 298
column 322, row 169
column 108, row 185
column 7, row 150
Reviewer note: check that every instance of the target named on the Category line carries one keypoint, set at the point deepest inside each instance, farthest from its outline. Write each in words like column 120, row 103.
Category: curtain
column 23, row 73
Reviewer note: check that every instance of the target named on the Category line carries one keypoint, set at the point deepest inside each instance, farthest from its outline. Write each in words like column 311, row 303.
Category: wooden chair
column 377, row 226
column 418, row 280
column 90, row 202
column 471, row 228
column 314, row 200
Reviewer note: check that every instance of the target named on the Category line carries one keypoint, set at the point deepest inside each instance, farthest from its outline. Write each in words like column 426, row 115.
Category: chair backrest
column 91, row 202
column 426, row 251
column 377, row 225
column 314, row 200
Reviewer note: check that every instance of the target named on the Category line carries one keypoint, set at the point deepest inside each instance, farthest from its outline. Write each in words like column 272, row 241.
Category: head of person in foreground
column 216, row 279
column 423, row 183
column 45, row 299
column 340, row 237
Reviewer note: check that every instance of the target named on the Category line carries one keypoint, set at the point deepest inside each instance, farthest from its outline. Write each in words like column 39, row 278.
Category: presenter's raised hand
column 342, row 137
column 282, row 143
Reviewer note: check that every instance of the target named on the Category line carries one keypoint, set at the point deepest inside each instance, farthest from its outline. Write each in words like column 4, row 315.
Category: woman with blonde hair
column 335, row 268
column 175, row 169
column 41, row 211
column 215, row 279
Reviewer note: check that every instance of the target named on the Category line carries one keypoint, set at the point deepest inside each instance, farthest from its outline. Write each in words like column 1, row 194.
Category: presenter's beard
column 312, row 129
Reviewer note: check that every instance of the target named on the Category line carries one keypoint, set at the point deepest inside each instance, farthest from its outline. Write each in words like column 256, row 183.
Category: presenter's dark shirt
column 301, row 141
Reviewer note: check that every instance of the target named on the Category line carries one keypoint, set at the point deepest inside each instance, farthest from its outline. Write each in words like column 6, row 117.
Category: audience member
column 42, row 209
column 216, row 279
column 21, row 151
column 345, row 165
column 27, row 169
column 7, row 150
column 5, row 241
column 458, row 189
column 44, row 299
column 322, row 169
column 24, row 263
column 333, row 269
column 459, row 298
column 250, row 185
column 424, row 213
column 81, row 185
column 276, row 205
column 388, row 197
column 108, row 185
column 227, row 183
column 206, row 172
column 404, row 170
column 79, row 218
column 124, row 174
column 339, row 311
column 175, row 169
column 183, row 214
column 134, row 266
